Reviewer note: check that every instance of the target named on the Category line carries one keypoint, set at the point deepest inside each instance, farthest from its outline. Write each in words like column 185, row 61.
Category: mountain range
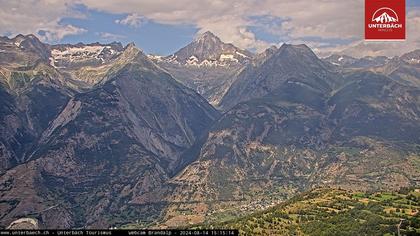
column 104, row 135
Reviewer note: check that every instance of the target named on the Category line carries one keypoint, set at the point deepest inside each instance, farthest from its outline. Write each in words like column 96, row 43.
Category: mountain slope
column 304, row 131
column 108, row 145
column 27, row 84
column 404, row 69
column 297, row 64
column 332, row 212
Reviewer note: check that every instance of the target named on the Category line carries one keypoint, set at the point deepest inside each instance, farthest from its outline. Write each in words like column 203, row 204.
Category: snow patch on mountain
column 155, row 57
column 228, row 57
column 78, row 53
column 83, row 55
column 208, row 50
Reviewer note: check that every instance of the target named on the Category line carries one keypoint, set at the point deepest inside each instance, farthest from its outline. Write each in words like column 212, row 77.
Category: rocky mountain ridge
column 208, row 50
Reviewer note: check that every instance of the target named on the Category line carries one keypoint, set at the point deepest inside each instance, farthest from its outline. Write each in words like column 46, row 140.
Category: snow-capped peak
column 208, row 50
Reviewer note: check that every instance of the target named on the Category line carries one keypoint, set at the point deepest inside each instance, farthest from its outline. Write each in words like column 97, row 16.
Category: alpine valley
column 104, row 135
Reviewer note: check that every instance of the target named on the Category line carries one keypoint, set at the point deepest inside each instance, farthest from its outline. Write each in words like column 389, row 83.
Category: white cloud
column 364, row 48
column 132, row 20
column 317, row 23
column 32, row 16
column 227, row 19
column 235, row 32
column 56, row 32
column 326, row 20
column 110, row 36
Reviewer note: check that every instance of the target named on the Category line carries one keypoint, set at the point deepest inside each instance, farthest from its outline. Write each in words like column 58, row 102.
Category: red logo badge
column 384, row 19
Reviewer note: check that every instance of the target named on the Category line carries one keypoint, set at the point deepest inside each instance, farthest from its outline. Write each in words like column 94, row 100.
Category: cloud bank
column 41, row 17
column 325, row 25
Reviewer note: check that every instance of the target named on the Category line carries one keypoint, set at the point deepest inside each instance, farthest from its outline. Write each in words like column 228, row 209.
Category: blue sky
column 163, row 26
column 151, row 37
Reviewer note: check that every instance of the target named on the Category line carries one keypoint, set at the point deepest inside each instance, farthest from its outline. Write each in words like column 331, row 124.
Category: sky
column 164, row 26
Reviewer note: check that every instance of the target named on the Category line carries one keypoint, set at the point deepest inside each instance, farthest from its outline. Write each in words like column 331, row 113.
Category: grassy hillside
column 335, row 212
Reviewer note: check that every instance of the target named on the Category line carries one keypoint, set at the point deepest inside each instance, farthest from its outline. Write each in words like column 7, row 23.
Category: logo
column 385, row 19
column 388, row 15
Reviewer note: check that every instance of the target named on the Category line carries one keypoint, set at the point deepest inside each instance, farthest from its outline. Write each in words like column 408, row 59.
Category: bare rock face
column 24, row 223
column 27, row 84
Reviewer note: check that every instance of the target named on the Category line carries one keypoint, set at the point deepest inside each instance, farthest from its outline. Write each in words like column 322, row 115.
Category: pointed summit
column 289, row 65
column 208, row 37
column 208, row 34
column 296, row 49
column 207, row 49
